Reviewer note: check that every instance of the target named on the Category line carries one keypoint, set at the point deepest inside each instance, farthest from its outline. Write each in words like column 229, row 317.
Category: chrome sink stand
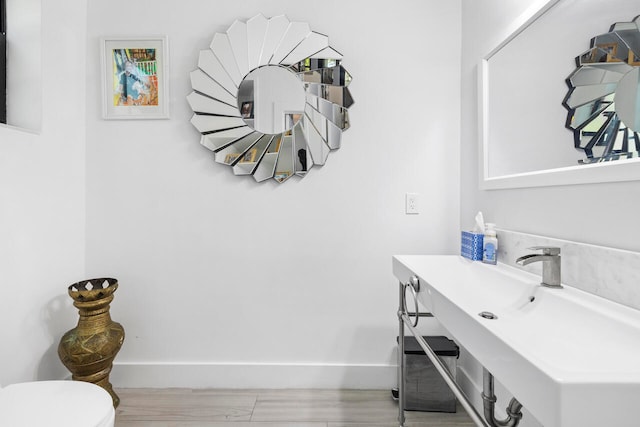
column 404, row 319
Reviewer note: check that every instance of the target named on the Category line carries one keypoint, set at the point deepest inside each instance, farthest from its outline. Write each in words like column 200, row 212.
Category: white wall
column 241, row 281
column 42, row 213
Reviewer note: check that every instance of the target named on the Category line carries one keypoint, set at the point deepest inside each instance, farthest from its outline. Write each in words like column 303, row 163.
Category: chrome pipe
column 446, row 376
column 401, row 368
column 419, row 314
column 514, row 414
column 414, row 285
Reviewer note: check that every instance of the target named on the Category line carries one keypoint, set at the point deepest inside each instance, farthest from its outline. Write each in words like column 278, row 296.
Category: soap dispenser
column 490, row 245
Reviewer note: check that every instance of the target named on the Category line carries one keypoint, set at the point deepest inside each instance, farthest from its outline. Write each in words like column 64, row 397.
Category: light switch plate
column 411, row 204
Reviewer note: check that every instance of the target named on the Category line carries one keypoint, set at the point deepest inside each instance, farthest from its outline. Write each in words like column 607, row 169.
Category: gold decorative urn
column 88, row 349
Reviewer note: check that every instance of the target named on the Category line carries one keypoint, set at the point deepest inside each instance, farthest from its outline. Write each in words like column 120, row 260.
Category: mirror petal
column 234, row 153
column 587, row 75
column 217, row 140
column 209, row 63
column 318, row 148
column 238, row 40
column 285, row 163
column 204, row 104
column 221, row 48
column 303, row 161
column 613, row 45
column 205, row 123
column 251, row 158
column 312, row 44
column 588, row 112
column 276, row 29
column 334, row 136
column 318, row 121
column 296, row 33
column 328, row 53
column 334, row 76
column 202, row 83
column 256, row 33
column 267, row 167
column 585, row 94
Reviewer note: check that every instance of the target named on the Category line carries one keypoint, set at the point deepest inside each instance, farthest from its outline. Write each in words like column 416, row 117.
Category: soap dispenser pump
column 490, row 245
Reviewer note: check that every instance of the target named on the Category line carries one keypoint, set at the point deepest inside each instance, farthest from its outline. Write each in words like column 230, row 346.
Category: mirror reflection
column 627, row 99
column 271, row 99
column 604, row 96
column 534, row 128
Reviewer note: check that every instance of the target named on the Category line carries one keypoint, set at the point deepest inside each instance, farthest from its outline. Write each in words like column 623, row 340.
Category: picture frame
column 135, row 81
column 275, row 145
column 246, row 110
column 231, row 157
column 612, row 51
column 280, row 176
column 250, row 156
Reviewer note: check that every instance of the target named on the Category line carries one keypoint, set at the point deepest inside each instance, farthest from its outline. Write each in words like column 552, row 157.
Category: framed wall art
column 247, row 110
column 134, row 78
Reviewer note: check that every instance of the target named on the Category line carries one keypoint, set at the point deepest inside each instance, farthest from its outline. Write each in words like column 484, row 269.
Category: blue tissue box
column 471, row 245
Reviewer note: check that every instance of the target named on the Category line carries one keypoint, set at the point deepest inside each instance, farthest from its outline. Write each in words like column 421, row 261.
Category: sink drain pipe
column 514, row 415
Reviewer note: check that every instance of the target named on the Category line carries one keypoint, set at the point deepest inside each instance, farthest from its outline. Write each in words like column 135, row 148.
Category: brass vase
column 88, row 349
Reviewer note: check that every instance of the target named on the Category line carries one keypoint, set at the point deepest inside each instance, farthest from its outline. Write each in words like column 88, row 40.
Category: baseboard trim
column 253, row 375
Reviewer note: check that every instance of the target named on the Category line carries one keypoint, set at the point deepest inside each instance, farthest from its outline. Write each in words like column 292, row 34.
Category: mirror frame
column 620, row 170
column 248, row 46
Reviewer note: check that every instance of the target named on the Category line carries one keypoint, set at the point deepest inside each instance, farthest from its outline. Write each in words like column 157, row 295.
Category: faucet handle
column 546, row 250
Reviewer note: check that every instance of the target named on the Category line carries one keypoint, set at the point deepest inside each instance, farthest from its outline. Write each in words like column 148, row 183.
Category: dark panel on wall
column 3, row 62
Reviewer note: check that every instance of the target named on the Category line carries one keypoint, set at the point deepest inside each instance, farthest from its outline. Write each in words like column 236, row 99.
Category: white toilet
column 56, row 404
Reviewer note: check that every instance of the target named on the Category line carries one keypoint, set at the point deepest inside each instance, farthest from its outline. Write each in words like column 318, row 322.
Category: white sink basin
column 571, row 358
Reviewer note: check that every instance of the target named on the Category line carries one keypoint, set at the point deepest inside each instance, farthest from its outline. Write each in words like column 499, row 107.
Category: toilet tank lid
column 56, row 404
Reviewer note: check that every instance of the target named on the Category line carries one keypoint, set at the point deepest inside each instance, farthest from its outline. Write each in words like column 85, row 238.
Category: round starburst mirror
column 270, row 98
column 604, row 95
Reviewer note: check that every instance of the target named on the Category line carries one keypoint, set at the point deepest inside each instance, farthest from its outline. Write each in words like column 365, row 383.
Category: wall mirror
column 24, row 64
column 270, row 98
column 526, row 139
column 604, row 96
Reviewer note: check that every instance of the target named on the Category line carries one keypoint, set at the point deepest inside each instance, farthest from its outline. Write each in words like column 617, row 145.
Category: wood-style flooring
column 271, row 408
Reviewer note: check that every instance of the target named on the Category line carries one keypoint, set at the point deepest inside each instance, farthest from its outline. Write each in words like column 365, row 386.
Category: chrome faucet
column 550, row 258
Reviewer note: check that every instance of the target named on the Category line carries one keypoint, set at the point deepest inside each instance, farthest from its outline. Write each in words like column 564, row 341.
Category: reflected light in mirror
column 271, row 99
